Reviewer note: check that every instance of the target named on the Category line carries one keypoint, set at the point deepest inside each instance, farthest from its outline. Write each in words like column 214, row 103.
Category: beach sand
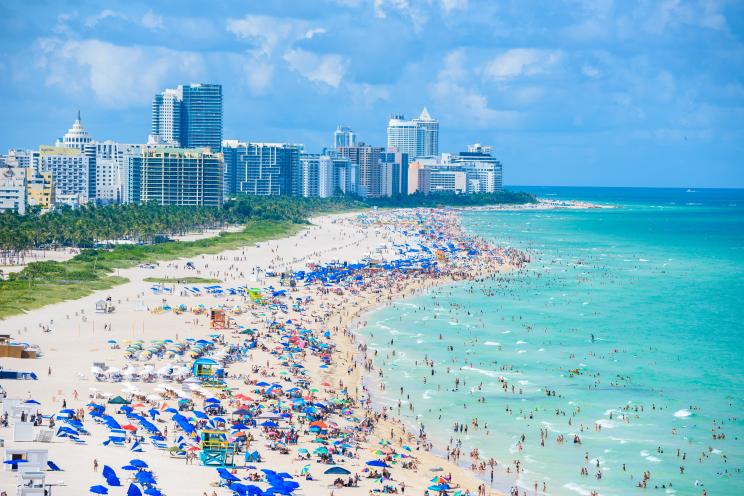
column 79, row 337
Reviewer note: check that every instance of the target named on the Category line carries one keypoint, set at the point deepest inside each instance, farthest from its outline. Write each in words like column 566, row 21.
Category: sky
column 571, row 92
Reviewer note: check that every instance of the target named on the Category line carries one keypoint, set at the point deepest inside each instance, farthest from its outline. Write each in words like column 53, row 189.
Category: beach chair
column 136, row 447
column 117, row 437
column 162, row 445
column 53, row 466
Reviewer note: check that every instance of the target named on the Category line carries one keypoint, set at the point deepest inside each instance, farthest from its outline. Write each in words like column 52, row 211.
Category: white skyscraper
column 417, row 137
column 166, row 117
column 343, row 136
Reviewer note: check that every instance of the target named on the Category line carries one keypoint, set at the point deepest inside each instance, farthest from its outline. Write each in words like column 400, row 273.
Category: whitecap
column 682, row 413
column 642, row 260
column 491, row 343
column 541, row 349
column 521, row 342
column 572, row 486
column 419, row 341
column 653, row 459
column 521, row 351
column 506, row 332
column 426, row 395
column 645, row 453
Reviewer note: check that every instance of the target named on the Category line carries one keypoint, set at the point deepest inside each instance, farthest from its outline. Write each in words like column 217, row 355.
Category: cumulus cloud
column 91, row 21
column 118, row 76
column 521, row 62
column 463, row 103
column 414, row 11
column 268, row 32
column 328, row 69
column 152, row 21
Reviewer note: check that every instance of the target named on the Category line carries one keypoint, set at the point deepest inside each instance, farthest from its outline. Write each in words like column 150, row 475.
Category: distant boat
column 690, row 191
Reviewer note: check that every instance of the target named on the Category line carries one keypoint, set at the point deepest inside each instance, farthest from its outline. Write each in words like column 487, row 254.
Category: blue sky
column 623, row 93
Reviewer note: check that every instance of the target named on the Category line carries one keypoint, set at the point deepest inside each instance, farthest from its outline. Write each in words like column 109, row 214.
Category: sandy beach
column 80, row 338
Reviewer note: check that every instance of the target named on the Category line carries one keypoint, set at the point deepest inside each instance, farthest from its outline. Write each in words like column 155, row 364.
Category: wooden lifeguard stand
column 218, row 319
column 216, row 450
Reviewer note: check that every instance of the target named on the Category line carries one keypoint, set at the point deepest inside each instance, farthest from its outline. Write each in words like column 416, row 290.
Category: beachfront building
column 78, row 138
column 108, row 181
column 13, row 188
column 189, row 116
column 344, row 179
column 447, row 179
column 366, row 159
column 262, row 168
column 394, row 169
column 166, row 118
column 483, row 170
column 39, row 188
column 343, row 136
column 176, row 176
column 70, row 168
column 417, row 137
column 316, row 176
column 19, row 158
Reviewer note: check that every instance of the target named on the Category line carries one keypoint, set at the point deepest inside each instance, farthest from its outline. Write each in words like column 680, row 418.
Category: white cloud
column 269, row 32
column 368, row 94
column 462, row 103
column 258, row 75
column 313, row 32
column 91, row 21
column 521, row 62
column 414, row 11
column 449, row 6
column 118, row 76
column 152, row 21
column 328, row 69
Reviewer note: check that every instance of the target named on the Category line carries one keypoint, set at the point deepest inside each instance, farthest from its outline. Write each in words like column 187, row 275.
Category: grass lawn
column 44, row 283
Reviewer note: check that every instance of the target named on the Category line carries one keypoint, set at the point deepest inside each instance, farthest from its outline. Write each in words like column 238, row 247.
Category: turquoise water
column 645, row 303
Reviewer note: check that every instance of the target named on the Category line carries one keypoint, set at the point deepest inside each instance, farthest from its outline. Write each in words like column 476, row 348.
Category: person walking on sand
column 95, row 464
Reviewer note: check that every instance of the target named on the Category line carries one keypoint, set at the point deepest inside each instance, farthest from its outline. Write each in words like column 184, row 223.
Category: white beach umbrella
column 96, row 370
column 113, row 370
column 153, row 397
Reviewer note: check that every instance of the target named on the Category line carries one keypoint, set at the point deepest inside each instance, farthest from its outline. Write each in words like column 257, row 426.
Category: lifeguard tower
column 216, row 450
column 209, row 371
column 218, row 319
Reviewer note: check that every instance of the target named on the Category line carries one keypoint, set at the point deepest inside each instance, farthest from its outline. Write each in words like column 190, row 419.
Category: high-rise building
column 367, row 161
column 177, row 176
column 417, row 137
column 201, row 120
column 166, row 117
column 343, row 136
column 397, row 162
column 483, row 170
column 344, row 176
column 70, row 170
column 78, row 138
column 108, row 181
column 262, row 168
column 316, row 176
column 189, row 116
column 13, row 188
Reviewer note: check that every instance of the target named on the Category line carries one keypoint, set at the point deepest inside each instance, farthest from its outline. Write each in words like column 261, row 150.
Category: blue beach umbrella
column 138, row 463
column 377, row 463
column 99, row 489
column 134, row 490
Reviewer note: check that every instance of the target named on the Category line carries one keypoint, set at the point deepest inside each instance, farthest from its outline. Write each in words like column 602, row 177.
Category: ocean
column 626, row 329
